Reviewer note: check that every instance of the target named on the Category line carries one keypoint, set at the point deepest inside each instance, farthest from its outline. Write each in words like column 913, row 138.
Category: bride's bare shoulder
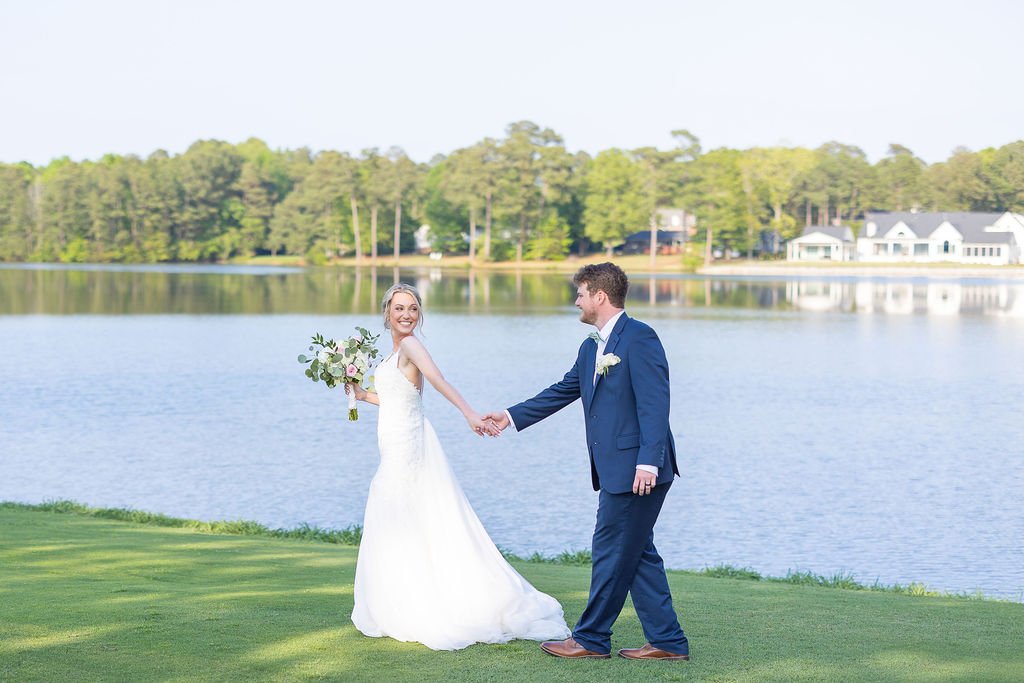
column 412, row 348
column 411, row 343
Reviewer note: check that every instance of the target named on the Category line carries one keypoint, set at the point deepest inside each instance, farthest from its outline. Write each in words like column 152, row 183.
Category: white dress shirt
column 605, row 331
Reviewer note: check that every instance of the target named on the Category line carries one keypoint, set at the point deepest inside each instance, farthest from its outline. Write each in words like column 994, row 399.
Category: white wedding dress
column 427, row 571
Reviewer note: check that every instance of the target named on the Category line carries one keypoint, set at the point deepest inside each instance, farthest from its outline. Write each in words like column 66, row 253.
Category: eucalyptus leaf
column 302, row 358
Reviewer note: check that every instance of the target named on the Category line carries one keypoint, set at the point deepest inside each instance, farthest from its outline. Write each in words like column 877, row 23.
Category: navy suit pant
column 626, row 561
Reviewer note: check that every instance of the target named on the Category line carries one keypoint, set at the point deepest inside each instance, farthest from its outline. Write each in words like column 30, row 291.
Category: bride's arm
column 417, row 354
column 362, row 394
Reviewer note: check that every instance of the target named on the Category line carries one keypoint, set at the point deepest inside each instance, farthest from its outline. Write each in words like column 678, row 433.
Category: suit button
column 595, row 443
column 593, row 417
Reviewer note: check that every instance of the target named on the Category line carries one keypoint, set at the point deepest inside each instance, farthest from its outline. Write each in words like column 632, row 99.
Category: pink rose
column 351, row 371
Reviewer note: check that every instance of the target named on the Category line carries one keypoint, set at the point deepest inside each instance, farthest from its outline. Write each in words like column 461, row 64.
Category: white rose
column 605, row 362
column 323, row 356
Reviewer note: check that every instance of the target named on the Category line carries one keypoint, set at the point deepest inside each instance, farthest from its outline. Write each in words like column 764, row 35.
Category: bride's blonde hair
column 385, row 303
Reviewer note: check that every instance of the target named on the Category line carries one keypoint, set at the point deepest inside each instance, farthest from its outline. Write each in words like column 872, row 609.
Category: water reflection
column 226, row 290
column 908, row 298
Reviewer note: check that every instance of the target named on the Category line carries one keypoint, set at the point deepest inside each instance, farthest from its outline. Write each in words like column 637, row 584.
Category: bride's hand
column 482, row 425
column 360, row 392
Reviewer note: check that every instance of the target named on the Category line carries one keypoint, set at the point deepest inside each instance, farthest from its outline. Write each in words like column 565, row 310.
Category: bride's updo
column 385, row 303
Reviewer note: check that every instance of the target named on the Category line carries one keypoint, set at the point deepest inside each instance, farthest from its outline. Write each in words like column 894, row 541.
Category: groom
column 622, row 376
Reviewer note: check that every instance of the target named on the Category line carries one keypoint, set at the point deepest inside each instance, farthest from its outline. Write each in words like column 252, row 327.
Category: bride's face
column 404, row 313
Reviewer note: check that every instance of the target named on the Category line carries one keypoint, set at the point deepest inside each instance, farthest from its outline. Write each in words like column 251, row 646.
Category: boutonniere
column 606, row 361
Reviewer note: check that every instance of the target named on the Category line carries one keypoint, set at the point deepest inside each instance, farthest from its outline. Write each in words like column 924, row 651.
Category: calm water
column 867, row 426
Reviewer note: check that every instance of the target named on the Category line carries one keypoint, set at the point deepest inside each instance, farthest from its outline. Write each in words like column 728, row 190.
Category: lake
column 869, row 426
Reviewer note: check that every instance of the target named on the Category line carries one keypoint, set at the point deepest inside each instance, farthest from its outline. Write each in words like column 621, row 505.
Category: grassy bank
column 86, row 598
column 353, row 534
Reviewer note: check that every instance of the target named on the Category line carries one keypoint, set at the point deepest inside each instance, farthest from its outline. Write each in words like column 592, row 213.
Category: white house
column 823, row 243
column 960, row 237
column 422, row 237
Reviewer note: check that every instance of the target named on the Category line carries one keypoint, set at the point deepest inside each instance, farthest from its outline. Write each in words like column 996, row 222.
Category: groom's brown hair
column 607, row 277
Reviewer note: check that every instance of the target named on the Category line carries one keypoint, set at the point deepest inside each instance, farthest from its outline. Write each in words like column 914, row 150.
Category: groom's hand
column 643, row 482
column 499, row 418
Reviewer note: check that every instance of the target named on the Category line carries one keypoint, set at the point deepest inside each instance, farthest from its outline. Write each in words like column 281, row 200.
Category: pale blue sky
column 86, row 78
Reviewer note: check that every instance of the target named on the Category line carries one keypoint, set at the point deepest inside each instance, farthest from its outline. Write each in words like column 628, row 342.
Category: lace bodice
column 399, row 421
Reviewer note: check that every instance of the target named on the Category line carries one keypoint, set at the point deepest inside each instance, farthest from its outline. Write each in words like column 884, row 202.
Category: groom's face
column 587, row 303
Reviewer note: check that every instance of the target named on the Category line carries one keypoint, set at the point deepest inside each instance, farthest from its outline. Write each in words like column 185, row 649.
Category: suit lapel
column 587, row 374
column 609, row 347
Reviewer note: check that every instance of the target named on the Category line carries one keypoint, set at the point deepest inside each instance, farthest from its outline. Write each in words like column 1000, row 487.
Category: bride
column 427, row 571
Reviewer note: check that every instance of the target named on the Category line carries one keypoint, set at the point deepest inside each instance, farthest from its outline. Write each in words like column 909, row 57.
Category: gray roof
column 843, row 233
column 664, row 236
column 971, row 224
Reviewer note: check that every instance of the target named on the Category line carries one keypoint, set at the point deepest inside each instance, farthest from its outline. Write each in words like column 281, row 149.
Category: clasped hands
column 490, row 424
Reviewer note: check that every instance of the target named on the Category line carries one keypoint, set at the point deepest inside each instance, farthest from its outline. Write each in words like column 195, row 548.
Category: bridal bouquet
column 341, row 362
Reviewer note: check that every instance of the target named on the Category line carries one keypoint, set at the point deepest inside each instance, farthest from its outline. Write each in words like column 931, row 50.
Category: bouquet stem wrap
column 353, row 413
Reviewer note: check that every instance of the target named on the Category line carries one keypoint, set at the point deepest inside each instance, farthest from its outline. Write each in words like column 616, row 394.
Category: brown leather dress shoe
column 571, row 649
column 648, row 651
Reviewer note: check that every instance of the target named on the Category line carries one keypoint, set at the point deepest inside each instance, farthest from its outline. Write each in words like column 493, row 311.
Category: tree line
column 524, row 196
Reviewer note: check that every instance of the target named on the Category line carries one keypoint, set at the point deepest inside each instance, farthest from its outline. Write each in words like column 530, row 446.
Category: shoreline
column 351, row 536
column 863, row 270
column 639, row 264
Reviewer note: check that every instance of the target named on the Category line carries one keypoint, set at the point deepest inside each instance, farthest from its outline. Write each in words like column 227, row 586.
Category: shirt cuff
column 511, row 421
column 648, row 468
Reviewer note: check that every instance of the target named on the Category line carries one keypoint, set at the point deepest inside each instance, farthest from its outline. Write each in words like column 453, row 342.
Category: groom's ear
column 600, row 296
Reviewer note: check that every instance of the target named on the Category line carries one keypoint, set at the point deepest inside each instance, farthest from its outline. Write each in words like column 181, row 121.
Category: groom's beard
column 587, row 318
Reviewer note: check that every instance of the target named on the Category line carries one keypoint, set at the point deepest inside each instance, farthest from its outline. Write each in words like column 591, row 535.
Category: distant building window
column 676, row 220
column 921, row 249
column 897, row 249
column 945, row 247
column 999, row 251
column 976, row 252
column 881, row 249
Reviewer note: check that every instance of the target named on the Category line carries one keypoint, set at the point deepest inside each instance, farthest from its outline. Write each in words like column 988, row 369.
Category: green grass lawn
column 83, row 598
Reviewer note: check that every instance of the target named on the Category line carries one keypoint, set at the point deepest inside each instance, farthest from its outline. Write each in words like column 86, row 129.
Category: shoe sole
column 553, row 654
column 680, row 658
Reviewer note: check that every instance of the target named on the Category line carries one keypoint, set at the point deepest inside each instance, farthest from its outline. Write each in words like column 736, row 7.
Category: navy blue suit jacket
column 626, row 411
